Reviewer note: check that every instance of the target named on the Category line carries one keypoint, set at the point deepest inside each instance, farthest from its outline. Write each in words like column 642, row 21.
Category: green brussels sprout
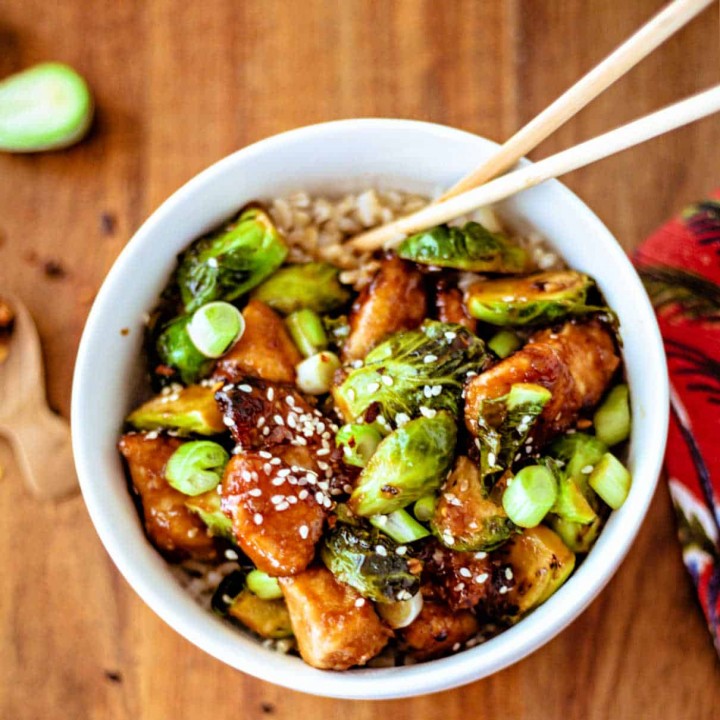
column 504, row 424
column 578, row 451
column 366, row 560
column 424, row 368
column 176, row 350
column 471, row 247
column 577, row 536
column 409, row 463
column 225, row 264
column 313, row 285
column 532, row 299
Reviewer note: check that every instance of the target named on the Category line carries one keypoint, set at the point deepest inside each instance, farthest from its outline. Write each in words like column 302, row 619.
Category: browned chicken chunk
column 172, row 528
column 334, row 626
column 277, row 511
column 450, row 307
column 395, row 300
column 437, row 629
column 576, row 363
column 265, row 350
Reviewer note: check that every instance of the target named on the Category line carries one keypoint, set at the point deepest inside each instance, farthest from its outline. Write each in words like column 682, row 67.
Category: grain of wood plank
column 178, row 86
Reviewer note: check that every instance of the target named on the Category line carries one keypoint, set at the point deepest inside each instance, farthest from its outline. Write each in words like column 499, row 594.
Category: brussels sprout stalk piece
column 366, row 560
column 470, row 247
column 423, row 368
column 533, row 299
column 314, row 286
column 227, row 263
column 409, row 463
column 612, row 419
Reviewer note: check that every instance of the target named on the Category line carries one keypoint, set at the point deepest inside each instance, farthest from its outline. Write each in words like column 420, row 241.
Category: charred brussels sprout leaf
column 418, row 368
column 366, row 560
column 470, row 247
column 409, row 463
column 227, row 263
column 176, row 350
column 539, row 298
column 311, row 285
column 504, row 424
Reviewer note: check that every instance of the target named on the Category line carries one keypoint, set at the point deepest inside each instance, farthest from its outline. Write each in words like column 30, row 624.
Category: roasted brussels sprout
column 504, row 424
column 313, row 285
column 366, row 560
column 176, row 350
column 470, row 247
column 423, row 368
column 409, row 463
column 208, row 508
column 184, row 410
column 539, row 298
column 466, row 517
column 227, row 263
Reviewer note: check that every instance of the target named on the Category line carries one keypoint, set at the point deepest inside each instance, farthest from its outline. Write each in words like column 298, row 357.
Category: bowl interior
column 330, row 159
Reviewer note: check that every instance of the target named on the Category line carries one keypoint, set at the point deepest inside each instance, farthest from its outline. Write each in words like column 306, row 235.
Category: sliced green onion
column 196, row 467
column 611, row 480
column 315, row 374
column 571, row 504
column 307, row 331
column 215, row 328
column 263, row 585
column 530, row 495
column 401, row 613
column 424, row 508
column 45, row 107
column 504, row 343
column 400, row 525
column 358, row 442
column 612, row 419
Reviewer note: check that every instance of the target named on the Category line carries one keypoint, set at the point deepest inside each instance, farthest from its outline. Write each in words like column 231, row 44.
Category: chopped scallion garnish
column 612, row 419
column 307, row 331
column 315, row 374
column 611, row 480
column 400, row 526
column 504, row 343
column 196, row 467
column 215, row 328
column 530, row 495
column 263, row 585
column 424, row 508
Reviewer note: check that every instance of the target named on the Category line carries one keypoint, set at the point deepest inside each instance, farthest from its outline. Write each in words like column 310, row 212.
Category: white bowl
column 331, row 158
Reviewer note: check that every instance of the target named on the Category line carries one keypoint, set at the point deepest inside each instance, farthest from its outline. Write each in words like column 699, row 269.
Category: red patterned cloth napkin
column 680, row 266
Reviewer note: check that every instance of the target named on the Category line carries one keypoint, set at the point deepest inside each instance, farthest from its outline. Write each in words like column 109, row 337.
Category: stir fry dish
column 384, row 476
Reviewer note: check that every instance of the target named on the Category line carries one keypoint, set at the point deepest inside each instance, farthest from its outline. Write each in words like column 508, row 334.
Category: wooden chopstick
column 662, row 121
column 620, row 61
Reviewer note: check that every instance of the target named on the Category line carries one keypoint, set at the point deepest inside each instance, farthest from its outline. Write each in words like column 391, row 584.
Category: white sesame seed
column 264, row 454
column 381, row 551
column 503, row 590
column 327, row 502
column 270, row 394
column 304, row 531
column 245, row 388
column 427, row 391
column 465, row 572
column 373, row 387
column 459, row 587
column 278, row 481
column 401, row 550
column 509, row 573
column 401, row 419
column 429, row 359
column 322, row 452
column 587, row 469
column 282, row 506
column 480, row 579
column 387, row 380
column 266, row 430
column 303, row 494
column 261, row 421
column 258, row 519
column 480, row 555
column 450, row 336
column 427, row 412
column 255, row 492
column 228, row 421
column 275, row 461
column 278, row 419
column 491, row 458
column 456, row 646
column 359, row 602
column 290, row 400
column 277, row 499
column 319, row 497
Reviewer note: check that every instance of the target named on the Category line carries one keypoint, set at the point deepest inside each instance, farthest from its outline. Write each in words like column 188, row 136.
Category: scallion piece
column 424, row 508
column 358, row 442
column 611, row 480
column 530, row 495
column 215, row 328
column 401, row 613
column 400, row 525
column 263, row 585
column 612, row 418
column 307, row 331
column 45, row 107
column 315, row 374
column 504, row 343
column 196, row 467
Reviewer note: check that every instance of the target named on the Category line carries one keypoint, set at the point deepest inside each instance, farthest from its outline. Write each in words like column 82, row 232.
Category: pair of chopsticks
column 479, row 188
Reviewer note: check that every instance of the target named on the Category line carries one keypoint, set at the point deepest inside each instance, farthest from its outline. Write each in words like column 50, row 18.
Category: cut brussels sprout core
column 401, row 526
column 215, row 328
column 424, row 508
column 196, row 467
column 408, row 463
column 612, row 419
column 315, row 374
column 401, row 613
column 45, row 107
column 530, row 495
column 611, row 480
column 532, row 299
column 312, row 285
column 307, row 331
column 504, row 343
column 263, row 585
column 358, row 442
column 470, row 247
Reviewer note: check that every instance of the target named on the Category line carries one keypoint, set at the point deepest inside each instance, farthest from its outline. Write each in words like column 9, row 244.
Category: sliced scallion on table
column 46, row 107
column 530, row 495
column 307, row 331
column 315, row 374
column 400, row 525
column 612, row 419
column 611, row 480
column 196, row 467
column 263, row 585
column 215, row 328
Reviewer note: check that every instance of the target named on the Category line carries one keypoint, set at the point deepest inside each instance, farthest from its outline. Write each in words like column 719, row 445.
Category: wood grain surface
column 178, row 85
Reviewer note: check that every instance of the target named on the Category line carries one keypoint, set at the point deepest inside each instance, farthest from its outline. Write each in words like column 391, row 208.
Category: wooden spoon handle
column 41, row 442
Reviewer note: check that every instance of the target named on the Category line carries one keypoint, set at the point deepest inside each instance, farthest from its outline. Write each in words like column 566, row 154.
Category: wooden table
column 179, row 85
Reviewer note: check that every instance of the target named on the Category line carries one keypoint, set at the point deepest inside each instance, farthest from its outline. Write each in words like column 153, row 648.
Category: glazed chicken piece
column 173, row 529
column 334, row 626
column 265, row 350
column 576, row 363
column 437, row 629
column 277, row 511
column 450, row 307
column 395, row 300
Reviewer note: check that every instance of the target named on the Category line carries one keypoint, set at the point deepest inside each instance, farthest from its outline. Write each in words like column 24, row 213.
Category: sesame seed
column 401, row 419
column 509, row 573
column 387, row 380
column 401, row 550
column 322, row 452
column 381, row 551
column 277, row 499
column 303, row 494
column 267, row 468
column 228, row 421
column 491, row 458
column 270, row 394
column 427, row 412
column 347, row 488
column 359, row 602
column 255, row 492
column 275, row 461
column 264, row 454
column 319, row 497
column 429, row 359
column 587, row 469
column 261, row 421
column 327, row 502
column 503, row 590
column 465, row 572
column 290, row 400
column 278, row 419
column 456, row 646
column 282, row 506
column 480, row 579
column 459, row 587
column 266, row 430
column 427, row 391
column 403, row 595
column 480, row 555
column 245, row 388
column 373, row 387
column 278, row 481
column 258, row 519
column 304, row 531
